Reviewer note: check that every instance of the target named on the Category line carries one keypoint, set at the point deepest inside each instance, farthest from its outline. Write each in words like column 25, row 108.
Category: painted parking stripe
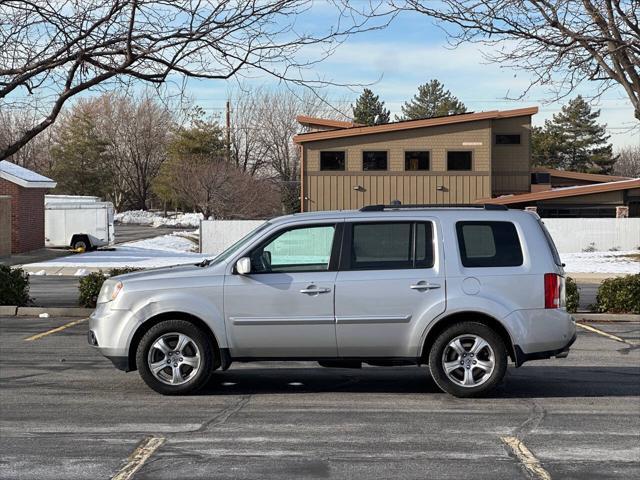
column 54, row 330
column 141, row 454
column 603, row 333
column 528, row 460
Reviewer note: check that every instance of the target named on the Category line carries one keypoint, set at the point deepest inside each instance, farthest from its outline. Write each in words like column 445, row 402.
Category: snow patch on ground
column 143, row 217
column 161, row 251
column 175, row 242
column 601, row 262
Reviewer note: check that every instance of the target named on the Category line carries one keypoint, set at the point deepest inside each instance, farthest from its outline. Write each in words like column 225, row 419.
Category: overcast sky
column 412, row 51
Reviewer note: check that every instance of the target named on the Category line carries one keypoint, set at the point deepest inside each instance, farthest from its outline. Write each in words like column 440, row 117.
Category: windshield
column 238, row 245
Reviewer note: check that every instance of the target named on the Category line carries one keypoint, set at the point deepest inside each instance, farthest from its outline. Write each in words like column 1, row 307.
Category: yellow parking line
column 601, row 332
column 528, row 460
column 141, row 454
column 55, row 330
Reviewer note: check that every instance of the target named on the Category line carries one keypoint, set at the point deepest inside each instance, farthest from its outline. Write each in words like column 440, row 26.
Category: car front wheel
column 175, row 357
column 468, row 359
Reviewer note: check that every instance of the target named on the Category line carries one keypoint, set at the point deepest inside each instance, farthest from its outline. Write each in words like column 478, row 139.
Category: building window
column 414, row 161
column 374, row 161
column 459, row 160
column 507, row 139
column 540, row 178
column 332, row 160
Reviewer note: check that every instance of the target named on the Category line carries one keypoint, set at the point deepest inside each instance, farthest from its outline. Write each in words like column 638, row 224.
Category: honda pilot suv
column 460, row 289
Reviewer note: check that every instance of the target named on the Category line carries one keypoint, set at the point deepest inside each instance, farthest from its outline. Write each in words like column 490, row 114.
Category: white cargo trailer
column 77, row 221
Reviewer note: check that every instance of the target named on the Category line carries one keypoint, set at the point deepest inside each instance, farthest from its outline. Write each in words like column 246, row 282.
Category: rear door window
column 489, row 244
column 391, row 245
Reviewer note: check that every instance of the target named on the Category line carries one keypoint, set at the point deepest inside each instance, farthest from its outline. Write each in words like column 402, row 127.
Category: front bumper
column 110, row 331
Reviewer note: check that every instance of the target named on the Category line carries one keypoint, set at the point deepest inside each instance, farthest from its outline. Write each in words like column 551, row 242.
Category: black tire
column 488, row 381
column 81, row 241
column 202, row 341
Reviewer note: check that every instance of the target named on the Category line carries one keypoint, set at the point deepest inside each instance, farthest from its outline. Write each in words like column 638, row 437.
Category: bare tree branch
column 53, row 50
column 560, row 43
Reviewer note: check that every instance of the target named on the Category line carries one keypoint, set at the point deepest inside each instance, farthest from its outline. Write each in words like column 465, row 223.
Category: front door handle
column 313, row 290
column 422, row 285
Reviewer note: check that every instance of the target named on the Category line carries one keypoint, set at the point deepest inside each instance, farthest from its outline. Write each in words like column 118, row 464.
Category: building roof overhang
column 354, row 131
column 23, row 176
column 563, row 192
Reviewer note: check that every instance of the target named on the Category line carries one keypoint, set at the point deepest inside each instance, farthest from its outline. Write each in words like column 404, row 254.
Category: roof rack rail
column 408, row 206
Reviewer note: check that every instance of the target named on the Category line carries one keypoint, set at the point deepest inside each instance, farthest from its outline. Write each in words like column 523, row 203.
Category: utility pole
column 228, row 131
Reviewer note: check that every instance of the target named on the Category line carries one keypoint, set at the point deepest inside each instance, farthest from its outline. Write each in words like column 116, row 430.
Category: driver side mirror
column 243, row 266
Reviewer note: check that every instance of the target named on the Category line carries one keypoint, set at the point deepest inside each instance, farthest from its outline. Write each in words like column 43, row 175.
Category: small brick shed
column 26, row 189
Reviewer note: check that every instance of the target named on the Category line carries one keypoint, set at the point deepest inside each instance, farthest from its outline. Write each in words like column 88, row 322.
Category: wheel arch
column 76, row 237
column 473, row 316
column 156, row 319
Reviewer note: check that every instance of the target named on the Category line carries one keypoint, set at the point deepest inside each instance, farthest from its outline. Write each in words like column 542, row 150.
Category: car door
column 391, row 284
column 284, row 307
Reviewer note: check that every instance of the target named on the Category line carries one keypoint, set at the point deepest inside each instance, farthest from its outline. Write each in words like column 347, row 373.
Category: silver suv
column 460, row 289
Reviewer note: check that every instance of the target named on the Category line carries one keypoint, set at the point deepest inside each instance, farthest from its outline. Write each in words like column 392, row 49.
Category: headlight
column 109, row 291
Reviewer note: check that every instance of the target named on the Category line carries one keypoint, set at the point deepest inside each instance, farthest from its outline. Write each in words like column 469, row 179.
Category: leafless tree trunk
column 52, row 50
column 560, row 43
column 275, row 125
column 136, row 133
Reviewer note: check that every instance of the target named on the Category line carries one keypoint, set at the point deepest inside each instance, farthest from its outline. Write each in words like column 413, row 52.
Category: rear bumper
column 562, row 352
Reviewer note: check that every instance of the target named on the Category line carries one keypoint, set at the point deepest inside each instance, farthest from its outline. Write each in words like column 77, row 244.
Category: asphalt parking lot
column 66, row 413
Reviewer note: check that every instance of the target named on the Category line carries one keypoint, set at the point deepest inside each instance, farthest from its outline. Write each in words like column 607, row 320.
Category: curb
column 8, row 311
column 54, row 312
column 606, row 317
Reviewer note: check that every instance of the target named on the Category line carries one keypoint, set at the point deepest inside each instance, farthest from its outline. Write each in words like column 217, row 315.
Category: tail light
column 552, row 290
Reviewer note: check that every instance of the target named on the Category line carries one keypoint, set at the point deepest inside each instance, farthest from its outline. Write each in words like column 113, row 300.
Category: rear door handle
column 425, row 286
column 312, row 290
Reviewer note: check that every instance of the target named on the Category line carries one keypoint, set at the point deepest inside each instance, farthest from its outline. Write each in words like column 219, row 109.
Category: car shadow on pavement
column 525, row 382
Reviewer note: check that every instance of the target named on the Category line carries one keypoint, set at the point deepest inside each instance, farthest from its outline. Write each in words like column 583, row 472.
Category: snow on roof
column 23, row 176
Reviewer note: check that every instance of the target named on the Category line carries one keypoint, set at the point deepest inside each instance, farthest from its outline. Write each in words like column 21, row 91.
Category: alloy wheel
column 174, row 358
column 468, row 360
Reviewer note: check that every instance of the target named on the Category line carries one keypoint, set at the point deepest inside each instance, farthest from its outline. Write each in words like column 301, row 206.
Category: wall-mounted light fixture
column 359, row 188
column 441, row 188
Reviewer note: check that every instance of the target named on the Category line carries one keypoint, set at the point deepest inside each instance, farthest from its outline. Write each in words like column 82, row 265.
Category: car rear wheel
column 468, row 359
column 175, row 357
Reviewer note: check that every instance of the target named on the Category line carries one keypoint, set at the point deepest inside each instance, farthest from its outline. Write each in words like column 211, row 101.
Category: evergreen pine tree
column 369, row 110
column 581, row 142
column 79, row 155
column 432, row 100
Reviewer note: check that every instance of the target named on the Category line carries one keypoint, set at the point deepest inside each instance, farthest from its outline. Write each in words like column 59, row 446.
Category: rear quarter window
column 488, row 244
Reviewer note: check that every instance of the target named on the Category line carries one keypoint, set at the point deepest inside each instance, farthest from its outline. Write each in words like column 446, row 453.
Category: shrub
column 619, row 295
column 573, row 295
column 590, row 248
column 91, row 284
column 14, row 286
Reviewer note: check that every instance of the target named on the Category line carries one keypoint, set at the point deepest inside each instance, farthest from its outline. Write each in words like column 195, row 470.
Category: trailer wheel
column 81, row 242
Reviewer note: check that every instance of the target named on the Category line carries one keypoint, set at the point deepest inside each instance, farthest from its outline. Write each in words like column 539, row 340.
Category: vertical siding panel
column 326, row 200
column 340, row 191
column 314, row 197
column 467, row 198
column 393, row 192
column 447, row 189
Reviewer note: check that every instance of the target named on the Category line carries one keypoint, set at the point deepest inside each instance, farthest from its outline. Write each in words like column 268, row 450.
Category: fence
column 601, row 234
column 216, row 235
column 569, row 234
